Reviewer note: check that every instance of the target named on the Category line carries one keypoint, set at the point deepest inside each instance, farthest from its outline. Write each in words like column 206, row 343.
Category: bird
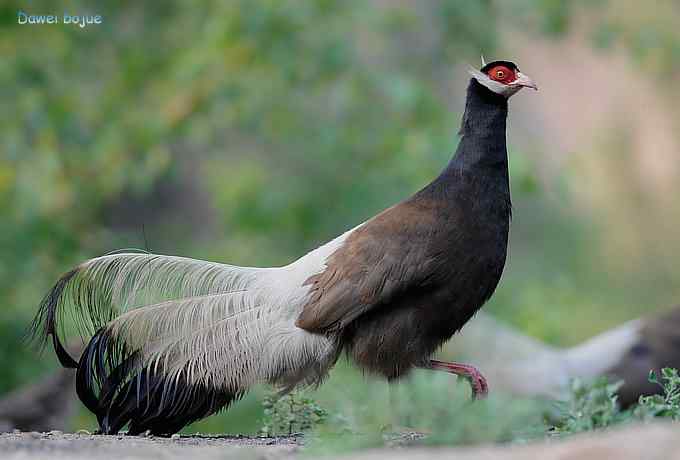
column 171, row 340
column 654, row 345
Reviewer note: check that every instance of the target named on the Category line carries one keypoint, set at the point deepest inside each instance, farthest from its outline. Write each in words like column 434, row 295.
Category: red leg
column 480, row 389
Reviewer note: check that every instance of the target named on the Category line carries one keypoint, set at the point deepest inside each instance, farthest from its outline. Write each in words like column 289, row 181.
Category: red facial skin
column 502, row 74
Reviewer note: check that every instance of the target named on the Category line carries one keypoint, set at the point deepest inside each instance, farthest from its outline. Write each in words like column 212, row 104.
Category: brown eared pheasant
column 171, row 340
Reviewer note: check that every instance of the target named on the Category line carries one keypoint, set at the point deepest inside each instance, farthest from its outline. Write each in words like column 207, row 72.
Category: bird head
column 502, row 77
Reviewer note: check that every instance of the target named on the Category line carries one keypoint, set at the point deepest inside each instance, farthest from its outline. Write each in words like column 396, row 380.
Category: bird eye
column 500, row 74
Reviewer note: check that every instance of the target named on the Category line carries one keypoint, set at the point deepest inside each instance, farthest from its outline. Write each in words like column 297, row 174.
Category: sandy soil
column 57, row 446
column 649, row 442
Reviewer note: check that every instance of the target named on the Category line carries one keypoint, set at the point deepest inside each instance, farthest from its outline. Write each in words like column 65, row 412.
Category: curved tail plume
column 172, row 339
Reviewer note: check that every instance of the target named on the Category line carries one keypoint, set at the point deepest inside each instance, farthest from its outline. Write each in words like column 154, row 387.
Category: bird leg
column 480, row 389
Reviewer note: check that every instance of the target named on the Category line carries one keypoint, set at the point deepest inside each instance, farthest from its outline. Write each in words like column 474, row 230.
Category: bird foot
column 480, row 389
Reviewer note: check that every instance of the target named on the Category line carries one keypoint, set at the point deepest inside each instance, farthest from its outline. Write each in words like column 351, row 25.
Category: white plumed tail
column 185, row 329
column 172, row 339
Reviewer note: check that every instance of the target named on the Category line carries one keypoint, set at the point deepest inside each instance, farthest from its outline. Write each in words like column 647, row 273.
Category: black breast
column 468, row 251
column 464, row 239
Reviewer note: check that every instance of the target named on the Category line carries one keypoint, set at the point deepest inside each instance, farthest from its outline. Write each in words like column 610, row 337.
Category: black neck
column 482, row 146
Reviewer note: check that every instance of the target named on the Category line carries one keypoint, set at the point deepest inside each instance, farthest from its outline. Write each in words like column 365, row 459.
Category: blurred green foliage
column 294, row 412
column 664, row 405
column 591, row 406
column 370, row 414
column 252, row 131
column 438, row 412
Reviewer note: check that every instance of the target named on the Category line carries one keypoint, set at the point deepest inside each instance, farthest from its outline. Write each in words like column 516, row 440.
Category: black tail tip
column 44, row 324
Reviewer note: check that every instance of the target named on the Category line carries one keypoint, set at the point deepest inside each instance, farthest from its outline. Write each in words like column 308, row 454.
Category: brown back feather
column 385, row 256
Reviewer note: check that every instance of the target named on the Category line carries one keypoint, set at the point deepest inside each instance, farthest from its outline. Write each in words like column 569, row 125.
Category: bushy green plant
column 291, row 413
column 428, row 408
column 665, row 405
column 591, row 406
column 431, row 409
column 594, row 405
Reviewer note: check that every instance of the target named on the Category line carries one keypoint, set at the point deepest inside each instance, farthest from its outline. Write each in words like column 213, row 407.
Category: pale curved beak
column 523, row 80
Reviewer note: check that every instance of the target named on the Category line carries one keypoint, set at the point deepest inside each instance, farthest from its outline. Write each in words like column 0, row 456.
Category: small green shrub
column 593, row 406
column 665, row 405
column 432, row 409
column 425, row 408
column 290, row 413
column 590, row 406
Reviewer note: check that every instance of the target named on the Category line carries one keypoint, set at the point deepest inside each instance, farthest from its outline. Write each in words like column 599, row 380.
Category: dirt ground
column 648, row 442
column 57, row 446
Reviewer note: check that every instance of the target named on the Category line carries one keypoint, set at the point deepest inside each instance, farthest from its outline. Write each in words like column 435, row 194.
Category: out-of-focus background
column 250, row 132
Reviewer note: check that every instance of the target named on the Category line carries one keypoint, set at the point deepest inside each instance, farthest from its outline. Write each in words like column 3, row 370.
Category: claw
column 480, row 388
